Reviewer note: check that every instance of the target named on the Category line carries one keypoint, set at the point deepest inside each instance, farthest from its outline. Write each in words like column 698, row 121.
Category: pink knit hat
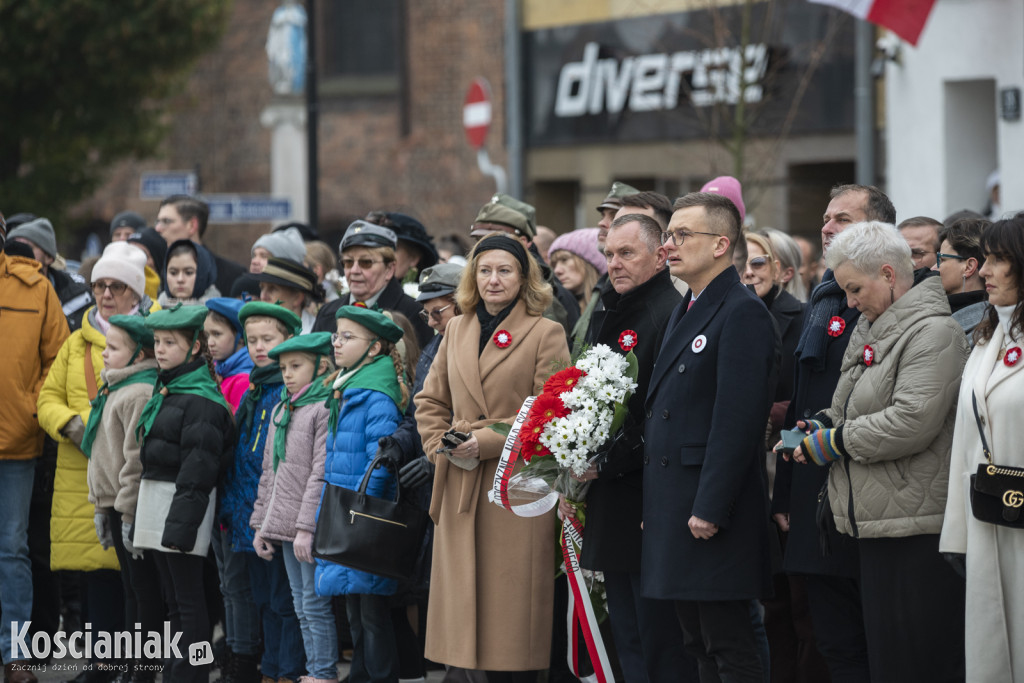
column 727, row 186
column 583, row 243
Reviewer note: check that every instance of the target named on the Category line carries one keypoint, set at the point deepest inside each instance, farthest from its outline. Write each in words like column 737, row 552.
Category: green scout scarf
column 378, row 376
column 269, row 374
column 197, row 382
column 99, row 403
column 317, row 392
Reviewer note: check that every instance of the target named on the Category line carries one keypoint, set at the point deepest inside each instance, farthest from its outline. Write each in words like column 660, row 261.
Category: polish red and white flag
column 905, row 18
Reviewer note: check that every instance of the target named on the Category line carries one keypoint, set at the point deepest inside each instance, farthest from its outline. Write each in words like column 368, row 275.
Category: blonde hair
column 319, row 253
column 264, row 318
column 533, row 290
column 590, row 274
column 766, row 247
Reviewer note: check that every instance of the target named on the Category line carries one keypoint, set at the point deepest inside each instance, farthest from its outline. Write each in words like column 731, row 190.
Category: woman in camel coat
column 492, row 582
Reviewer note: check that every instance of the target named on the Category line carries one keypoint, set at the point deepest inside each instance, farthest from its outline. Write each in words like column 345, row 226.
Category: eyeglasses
column 364, row 263
column 116, row 288
column 939, row 256
column 680, row 235
column 340, row 339
column 435, row 314
column 920, row 253
column 757, row 262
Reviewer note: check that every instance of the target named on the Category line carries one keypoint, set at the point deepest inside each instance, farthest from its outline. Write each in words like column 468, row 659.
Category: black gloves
column 958, row 561
column 418, row 472
column 388, row 449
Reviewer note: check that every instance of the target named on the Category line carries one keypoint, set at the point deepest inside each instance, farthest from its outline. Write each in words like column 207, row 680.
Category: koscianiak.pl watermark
column 104, row 646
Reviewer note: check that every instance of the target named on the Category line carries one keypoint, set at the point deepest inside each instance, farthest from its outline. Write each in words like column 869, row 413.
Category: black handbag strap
column 981, row 430
column 381, row 462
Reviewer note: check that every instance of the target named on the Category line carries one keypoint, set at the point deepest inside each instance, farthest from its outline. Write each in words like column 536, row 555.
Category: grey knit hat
column 40, row 233
column 284, row 244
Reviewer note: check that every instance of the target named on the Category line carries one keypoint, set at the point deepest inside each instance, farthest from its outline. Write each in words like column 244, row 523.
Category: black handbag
column 367, row 533
column 997, row 493
column 826, row 521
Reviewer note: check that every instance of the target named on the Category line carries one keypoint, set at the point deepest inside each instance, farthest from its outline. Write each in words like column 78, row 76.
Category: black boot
column 245, row 669
column 226, row 666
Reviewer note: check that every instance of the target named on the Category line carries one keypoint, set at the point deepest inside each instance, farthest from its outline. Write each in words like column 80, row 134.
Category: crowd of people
column 814, row 479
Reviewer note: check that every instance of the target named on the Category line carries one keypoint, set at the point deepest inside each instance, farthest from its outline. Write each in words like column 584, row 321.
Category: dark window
column 361, row 46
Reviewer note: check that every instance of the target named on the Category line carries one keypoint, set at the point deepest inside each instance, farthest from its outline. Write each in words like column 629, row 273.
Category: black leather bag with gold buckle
column 368, row 533
column 997, row 493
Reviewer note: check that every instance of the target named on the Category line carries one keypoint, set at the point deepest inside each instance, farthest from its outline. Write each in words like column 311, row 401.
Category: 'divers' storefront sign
column 678, row 76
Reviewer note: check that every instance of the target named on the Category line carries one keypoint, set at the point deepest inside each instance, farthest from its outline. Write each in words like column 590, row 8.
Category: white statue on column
column 286, row 49
column 286, row 114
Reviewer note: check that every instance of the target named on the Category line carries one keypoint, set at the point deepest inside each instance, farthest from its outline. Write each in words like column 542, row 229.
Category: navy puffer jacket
column 243, row 478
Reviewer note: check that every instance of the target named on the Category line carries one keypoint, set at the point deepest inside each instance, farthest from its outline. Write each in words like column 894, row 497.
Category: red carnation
column 546, row 408
column 563, row 381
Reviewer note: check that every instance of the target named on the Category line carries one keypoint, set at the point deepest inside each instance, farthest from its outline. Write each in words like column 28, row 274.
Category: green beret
column 378, row 323
column 318, row 343
column 178, row 318
column 277, row 311
column 135, row 327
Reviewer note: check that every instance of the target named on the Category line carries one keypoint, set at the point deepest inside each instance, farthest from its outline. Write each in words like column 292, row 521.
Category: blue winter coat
column 365, row 416
column 243, row 479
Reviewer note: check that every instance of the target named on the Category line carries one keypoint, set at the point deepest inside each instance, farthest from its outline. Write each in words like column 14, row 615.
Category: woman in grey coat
column 887, row 440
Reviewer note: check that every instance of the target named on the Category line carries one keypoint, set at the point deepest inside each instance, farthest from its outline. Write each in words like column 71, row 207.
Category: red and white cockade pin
column 869, row 355
column 836, row 326
column 1012, row 356
column 502, row 339
column 627, row 340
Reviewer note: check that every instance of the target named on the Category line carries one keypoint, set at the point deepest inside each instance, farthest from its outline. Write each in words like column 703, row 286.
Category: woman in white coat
column 994, row 375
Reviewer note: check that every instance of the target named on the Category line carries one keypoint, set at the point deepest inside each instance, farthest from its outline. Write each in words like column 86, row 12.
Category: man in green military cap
column 519, row 219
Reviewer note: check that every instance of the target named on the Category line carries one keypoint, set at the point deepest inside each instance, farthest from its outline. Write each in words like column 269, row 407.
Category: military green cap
column 135, row 327
column 318, row 343
column 178, row 318
column 500, row 210
column 277, row 311
column 439, row 280
column 376, row 322
column 522, row 207
column 615, row 195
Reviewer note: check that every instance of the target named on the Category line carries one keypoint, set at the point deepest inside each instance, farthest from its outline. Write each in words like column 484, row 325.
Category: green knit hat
column 178, row 318
column 375, row 322
column 135, row 327
column 317, row 343
column 276, row 311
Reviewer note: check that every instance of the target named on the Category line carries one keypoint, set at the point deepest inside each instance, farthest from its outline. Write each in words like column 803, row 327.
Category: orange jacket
column 32, row 330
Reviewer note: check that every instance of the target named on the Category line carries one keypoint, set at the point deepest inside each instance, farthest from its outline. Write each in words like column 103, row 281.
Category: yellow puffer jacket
column 34, row 328
column 64, row 395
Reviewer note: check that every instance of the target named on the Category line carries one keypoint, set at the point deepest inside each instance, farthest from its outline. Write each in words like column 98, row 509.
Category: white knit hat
column 125, row 263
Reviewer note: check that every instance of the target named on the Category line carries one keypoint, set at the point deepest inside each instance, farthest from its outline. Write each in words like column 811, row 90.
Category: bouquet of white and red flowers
column 559, row 435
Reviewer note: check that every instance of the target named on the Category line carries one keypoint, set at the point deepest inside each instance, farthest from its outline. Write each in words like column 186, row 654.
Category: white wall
column 938, row 91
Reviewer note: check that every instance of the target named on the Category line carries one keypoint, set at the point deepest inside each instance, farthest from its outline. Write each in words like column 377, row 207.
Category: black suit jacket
column 615, row 498
column 392, row 298
column 707, row 407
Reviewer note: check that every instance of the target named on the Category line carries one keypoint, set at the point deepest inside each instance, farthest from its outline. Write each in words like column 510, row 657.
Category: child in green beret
column 261, row 583
column 289, row 491
column 369, row 398
column 128, row 375
column 187, row 433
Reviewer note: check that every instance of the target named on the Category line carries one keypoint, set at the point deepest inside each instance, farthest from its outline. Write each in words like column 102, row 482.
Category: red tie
column 690, row 305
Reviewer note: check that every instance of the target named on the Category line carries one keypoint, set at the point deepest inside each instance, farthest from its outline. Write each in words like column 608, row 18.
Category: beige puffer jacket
column 897, row 418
